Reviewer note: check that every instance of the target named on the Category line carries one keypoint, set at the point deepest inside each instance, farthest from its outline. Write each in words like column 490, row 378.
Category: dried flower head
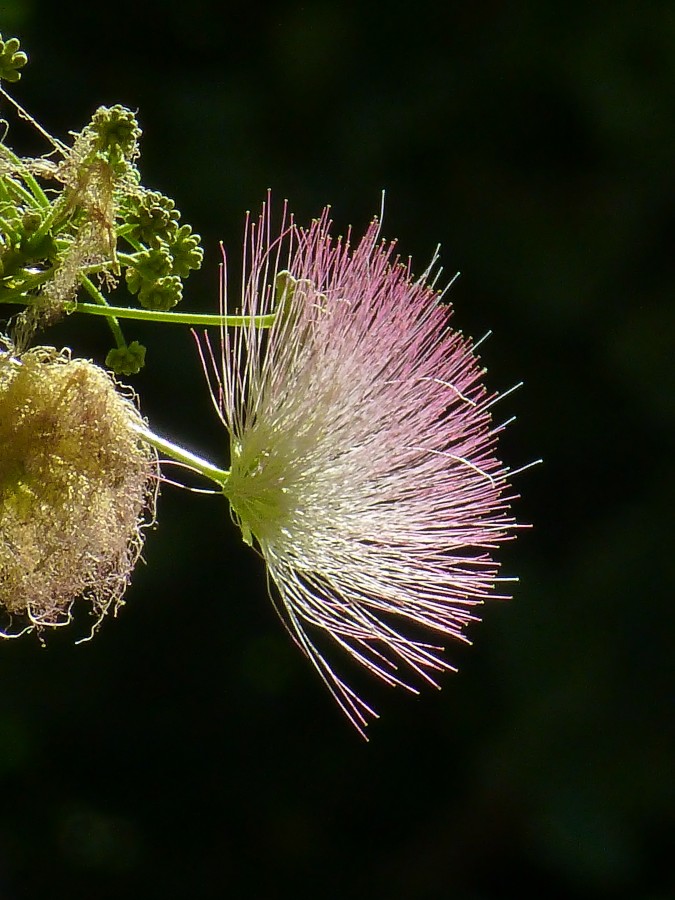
column 363, row 457
column 76, row 486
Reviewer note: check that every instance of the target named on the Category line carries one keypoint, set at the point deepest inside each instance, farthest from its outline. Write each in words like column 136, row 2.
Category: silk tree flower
column 363, row 454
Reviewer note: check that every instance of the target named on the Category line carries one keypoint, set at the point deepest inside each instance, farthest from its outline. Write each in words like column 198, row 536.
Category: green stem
column 101, row 303
column 125, row 231
column 60, row 207
column 24, row 114
column 20, row 294
column 37, row 191
column 93, row 268
column 16, row 190
column 181, row 455
column 151, row 315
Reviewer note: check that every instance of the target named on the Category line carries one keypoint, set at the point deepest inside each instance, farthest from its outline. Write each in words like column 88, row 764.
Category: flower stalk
column 209, row 320
column 182, row 455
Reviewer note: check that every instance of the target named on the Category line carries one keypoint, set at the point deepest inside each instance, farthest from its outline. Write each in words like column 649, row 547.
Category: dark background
column 189, row 750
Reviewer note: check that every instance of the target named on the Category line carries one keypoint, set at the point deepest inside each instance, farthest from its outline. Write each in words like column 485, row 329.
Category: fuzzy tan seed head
column 76, row 487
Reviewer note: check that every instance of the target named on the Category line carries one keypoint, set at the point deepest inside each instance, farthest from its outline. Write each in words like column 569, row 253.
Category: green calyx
column 255, row 489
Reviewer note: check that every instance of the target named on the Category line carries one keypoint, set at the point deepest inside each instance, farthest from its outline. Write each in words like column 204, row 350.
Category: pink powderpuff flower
column 363, row 453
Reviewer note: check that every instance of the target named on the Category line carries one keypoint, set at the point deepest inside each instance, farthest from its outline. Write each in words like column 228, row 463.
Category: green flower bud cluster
column 170, row 251
column 127, row 360
column 11, row 60
column 80, row 219
column 115, row 134
column 152, row 219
